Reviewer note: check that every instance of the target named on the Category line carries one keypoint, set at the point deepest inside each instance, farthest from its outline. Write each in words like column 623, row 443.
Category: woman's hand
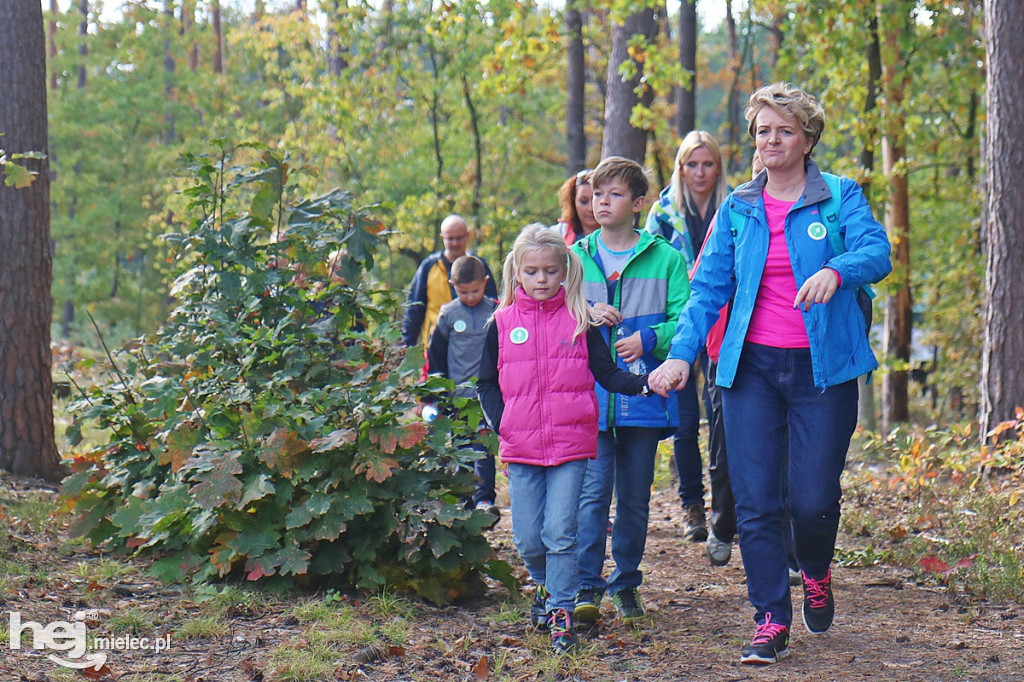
column 630, row 348
column 818, row 288
column 671, row 375
column 608, row 314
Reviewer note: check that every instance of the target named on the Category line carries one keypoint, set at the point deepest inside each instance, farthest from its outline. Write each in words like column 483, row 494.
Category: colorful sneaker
column 819, row 605
column 628, row 604
column 539, row 609
column 719, row 552
column 770, row 644
column 588, row 605
column 484, row 505
column 563, row 639
column 695, row 528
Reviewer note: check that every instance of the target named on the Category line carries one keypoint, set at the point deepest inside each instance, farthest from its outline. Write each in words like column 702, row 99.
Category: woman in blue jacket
column 794, row 345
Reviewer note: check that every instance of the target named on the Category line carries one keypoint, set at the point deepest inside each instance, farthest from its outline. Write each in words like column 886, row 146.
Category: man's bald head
column 455, row 235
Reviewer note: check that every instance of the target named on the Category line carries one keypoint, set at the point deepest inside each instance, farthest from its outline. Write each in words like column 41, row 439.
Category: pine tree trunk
column 620, row 137
column 897, row 21
column 866, row 415
column 26, row 388
column 1002, row 353
column 575, row 94
column 686, row 95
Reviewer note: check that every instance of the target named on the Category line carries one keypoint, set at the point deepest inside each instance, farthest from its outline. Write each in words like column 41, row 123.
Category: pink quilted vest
column 550, row 412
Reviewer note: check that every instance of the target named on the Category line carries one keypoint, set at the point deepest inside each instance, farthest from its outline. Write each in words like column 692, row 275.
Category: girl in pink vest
column 542, row 353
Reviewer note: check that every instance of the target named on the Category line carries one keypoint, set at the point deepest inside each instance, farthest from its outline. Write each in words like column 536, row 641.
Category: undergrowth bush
column 947, row 506
column 266, row 428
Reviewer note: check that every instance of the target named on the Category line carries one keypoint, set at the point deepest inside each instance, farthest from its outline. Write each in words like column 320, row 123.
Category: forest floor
column 888, row 626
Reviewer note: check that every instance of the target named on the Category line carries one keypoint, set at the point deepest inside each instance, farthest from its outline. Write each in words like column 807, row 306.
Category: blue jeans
column 689, row 467
column 625, row 463
column 774, row 394
column 544, row 512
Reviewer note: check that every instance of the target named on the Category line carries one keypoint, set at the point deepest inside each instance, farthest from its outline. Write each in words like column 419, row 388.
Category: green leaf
column 17, row 176
column 254, row 542
column 291, row 560
column 220, row 485
column 256, row 487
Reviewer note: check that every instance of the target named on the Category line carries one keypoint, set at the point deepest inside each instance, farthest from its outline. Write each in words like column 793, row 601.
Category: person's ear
column 638, row 204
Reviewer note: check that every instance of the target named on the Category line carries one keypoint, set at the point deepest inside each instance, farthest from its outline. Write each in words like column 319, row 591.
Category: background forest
column 421, row 109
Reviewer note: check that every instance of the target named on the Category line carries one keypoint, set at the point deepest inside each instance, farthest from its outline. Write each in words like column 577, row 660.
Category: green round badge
column 459, row 326
column 518, row 335
column 816, row 231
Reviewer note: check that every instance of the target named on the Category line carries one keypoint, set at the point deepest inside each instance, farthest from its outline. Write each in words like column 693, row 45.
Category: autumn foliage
column 265, row 429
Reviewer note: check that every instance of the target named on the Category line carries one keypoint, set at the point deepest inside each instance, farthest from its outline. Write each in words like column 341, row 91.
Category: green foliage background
column 424, row 109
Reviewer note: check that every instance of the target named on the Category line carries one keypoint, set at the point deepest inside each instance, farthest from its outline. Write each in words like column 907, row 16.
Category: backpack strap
column 830, row 212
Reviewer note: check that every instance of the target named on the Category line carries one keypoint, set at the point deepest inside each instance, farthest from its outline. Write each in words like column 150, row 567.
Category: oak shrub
column 265, row 429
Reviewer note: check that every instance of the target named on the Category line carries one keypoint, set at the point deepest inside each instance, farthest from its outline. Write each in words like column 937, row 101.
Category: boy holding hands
column 637, row 284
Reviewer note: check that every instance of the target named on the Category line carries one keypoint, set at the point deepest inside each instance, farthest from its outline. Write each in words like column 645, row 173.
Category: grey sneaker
column 695, row 527
column 718, row 552
column 628, row 604
column 587, row 608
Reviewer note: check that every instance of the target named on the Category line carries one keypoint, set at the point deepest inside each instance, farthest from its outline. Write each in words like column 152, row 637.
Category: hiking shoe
column 770, row 644
column 819, row 606
column 588, row 605
column 539, row 609
column 795, row 578
column 628, row 604
column 719, row 552
column 694, row 527
column 563, row 639
column 485, row 506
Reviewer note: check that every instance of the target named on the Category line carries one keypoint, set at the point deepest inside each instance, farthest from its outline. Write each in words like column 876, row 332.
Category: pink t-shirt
column 774, row 321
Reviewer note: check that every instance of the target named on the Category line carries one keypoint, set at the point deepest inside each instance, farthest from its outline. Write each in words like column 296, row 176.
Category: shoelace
column 817, row 590
column 559, row 623
column 767, row 630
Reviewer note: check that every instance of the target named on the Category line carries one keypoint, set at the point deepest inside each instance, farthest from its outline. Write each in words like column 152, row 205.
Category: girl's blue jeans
column 545, row 504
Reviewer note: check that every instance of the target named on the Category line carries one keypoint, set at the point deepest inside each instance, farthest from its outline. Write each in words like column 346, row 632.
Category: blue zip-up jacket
column 840, row 350
column 651, row 291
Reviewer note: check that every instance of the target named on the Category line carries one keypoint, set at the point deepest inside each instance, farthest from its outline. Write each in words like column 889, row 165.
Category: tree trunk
column 26, row 388
column 1002, row 353
column 188, row 22
column 620, row 137
column 83, row 36
column 866, row 415
column 478, row 149
column 897, row 23
column 218, row 38
column 575, row 95
column 51, row 42
column 686, row 95
column 169, row 66
column 732, row 113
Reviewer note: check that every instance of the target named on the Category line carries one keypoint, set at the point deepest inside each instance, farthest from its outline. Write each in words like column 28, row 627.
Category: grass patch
column 130, row 621
column 301, row 661
column 103, row 571
column 229, row 600
column 205, row 626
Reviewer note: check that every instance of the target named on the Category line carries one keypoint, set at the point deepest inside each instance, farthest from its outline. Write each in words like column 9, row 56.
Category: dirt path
column 886, row 628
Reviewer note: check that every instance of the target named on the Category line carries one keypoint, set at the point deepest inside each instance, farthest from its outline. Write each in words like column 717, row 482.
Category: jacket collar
column 589, row 243
column 815, row 189
column 526, row 302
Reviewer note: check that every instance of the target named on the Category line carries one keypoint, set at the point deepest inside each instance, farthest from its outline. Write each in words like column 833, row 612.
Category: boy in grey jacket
column 455, row 349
